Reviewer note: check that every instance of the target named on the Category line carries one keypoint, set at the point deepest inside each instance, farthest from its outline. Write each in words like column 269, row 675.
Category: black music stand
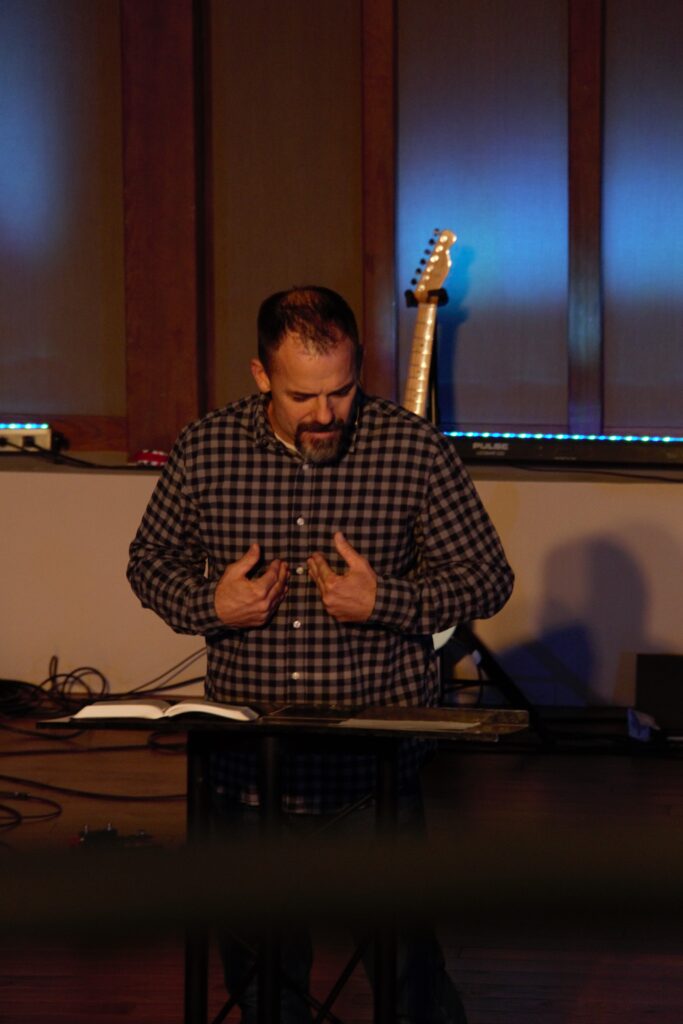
column 377, row 729
column 382, row 735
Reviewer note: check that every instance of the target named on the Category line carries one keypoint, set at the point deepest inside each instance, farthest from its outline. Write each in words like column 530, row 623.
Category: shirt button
column 297, row 624
column 296, row 675
column 300, row 570
column 300, row 521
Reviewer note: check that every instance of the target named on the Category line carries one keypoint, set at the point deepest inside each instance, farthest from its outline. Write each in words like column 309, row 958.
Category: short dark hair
column 320, row 316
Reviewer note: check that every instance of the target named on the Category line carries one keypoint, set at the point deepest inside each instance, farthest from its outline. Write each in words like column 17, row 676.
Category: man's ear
column 260, row 376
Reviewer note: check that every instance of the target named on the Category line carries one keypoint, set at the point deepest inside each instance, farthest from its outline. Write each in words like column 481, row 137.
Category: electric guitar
column 426, row 295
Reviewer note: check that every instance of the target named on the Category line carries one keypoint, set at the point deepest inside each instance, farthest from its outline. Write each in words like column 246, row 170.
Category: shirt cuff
column 201, row 608
column 394, row 605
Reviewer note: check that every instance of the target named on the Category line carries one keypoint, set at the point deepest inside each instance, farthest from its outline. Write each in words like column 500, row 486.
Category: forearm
column 167, row 562
column 176, row 590
column 429, row 603
column 460, row 572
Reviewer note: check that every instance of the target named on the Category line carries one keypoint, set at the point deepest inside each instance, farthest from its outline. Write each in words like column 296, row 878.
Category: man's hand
column 349, row 597
column 241, row 602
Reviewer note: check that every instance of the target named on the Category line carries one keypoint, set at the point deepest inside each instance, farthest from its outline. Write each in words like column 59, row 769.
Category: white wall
column 63, row 551
column 598, row 562
column 599, row 566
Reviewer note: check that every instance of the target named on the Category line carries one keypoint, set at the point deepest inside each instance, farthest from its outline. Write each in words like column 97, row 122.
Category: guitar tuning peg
column 413, row 281
column 422, row 262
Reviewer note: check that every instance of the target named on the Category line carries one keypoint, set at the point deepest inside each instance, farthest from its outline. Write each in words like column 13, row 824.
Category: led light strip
column 24, row 426
column 527, row 436
column 16, row 436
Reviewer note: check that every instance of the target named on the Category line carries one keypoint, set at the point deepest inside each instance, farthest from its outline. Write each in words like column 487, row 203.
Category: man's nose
column 324, row 413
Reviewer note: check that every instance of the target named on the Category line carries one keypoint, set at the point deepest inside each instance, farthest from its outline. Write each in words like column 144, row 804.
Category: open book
column 151, row 709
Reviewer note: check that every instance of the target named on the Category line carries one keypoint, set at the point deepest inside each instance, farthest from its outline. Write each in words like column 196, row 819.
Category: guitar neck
column 416, row 392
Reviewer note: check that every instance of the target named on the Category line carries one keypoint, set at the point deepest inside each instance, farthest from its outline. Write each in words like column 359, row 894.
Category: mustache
column 321, row 428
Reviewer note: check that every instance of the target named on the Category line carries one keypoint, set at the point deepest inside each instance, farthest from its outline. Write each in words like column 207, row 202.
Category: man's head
column 318, row 316
column 309, row 363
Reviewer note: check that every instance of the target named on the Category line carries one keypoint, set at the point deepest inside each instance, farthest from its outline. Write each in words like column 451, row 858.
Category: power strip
column 17, row 436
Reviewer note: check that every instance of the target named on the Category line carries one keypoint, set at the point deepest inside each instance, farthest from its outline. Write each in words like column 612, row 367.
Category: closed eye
column 340, row 392
column 299, row 396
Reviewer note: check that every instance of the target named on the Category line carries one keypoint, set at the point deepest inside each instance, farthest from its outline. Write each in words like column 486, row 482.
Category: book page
column 154, row 709
column 124, row 709
column 236, row 712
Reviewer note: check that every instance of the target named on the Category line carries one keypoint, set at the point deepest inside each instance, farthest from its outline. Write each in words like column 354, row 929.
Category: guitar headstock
column 434, row 266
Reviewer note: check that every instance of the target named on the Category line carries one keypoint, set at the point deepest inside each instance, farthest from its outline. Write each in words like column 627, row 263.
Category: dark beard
column 323, row 444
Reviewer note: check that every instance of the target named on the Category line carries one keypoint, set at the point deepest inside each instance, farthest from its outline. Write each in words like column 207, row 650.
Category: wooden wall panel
column 162, row 220
column 286, row 163
column 379, row 197
column 347, row 194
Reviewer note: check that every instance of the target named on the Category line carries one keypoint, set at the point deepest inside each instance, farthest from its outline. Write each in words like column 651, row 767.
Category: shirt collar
column 263, row 432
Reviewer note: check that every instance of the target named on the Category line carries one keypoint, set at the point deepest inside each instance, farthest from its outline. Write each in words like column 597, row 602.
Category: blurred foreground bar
column 502, row 876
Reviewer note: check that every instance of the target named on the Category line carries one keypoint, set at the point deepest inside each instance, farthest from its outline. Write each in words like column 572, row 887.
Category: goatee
column 323, row 443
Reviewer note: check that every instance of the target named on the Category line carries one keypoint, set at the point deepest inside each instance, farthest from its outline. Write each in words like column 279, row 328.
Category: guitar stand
column 437, row 296
column 463, row 634
column 494, row 672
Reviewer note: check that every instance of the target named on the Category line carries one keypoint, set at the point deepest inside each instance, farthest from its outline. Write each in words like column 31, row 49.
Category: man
column 317, row 538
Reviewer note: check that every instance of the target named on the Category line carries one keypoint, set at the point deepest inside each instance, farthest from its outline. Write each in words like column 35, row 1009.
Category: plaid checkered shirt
column 403, row 500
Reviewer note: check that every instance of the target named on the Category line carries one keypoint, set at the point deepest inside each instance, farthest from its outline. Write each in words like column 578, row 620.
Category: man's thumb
column 248, row 559
column 343, row 547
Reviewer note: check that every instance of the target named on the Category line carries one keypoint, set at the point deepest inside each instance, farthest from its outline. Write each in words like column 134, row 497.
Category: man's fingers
column 275, row 576
column 348, row 596
column 277, row 589
column 318, row 567
column 243, row 602
column 283, row 575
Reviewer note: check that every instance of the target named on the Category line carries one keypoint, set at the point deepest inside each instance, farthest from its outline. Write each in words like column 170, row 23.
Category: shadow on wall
column 593, row 620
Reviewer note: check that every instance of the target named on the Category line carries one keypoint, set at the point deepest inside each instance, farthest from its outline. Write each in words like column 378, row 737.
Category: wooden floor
column 510, row 968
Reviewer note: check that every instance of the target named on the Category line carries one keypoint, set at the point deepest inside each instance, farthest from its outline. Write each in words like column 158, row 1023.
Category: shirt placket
column 299, row 606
